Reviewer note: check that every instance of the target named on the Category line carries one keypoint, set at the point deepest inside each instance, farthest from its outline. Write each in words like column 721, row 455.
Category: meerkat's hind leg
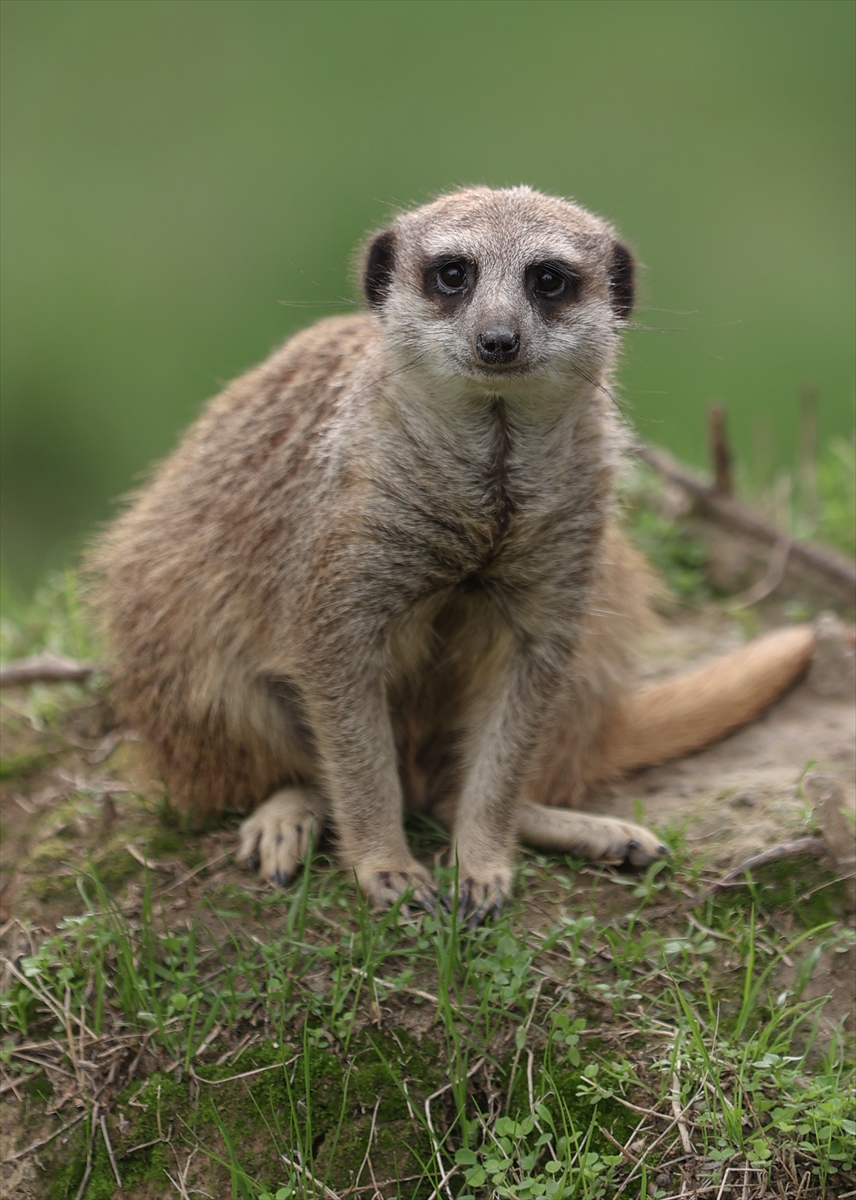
column 597, row 839
column 275, row 840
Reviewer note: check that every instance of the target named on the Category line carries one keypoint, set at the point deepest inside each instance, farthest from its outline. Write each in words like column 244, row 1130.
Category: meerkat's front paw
column 482, row 893
column 385, row 886
column 275, row 840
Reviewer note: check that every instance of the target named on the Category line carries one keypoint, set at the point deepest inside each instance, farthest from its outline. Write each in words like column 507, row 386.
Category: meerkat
column 383, row 571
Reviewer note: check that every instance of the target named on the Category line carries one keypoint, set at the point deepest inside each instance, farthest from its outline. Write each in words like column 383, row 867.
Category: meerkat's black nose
column 499, row 345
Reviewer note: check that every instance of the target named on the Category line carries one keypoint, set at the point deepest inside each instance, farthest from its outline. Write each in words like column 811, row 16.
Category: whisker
column 395, row 371
column 595, row 382
column 321, row 287
column 677, row 332
column 342, row 301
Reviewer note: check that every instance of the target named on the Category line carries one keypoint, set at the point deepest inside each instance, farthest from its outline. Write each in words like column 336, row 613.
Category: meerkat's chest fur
column 495, row 499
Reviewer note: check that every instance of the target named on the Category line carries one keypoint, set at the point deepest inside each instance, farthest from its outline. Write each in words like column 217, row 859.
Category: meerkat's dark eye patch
column 553, row 283
column 449, row 279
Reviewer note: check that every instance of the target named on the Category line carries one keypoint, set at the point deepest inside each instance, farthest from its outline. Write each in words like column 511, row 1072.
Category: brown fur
column 381, row 569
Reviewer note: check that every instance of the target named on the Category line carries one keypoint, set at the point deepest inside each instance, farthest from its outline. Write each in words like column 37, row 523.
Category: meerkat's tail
column 680, row 715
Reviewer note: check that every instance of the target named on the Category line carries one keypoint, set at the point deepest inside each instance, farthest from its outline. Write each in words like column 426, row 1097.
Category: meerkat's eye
column 553, row 281
column 452, row 276
column 549, row 283
column 449, row 281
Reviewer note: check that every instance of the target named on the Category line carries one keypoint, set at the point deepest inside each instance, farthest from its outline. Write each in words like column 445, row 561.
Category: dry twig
column 81, row 1191
column 368, row 1146
column 46, row 668
column 106, row 1135
column 519, row 1049
column 676, row 1106
column 827, row 567
column 444, row 1182
column 720, row 451
column 43, row 1141
column 815, row 846
column 329, row 1194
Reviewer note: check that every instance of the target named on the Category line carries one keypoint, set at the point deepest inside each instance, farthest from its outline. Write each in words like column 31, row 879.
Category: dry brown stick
column 329, row 1194
column 72, row 1049
column 807, row 453
column 720, row 452
column 526, row 1027
column 833, row 570
column 12, row 1085
column 243, row 1074
column 106, row 1135
column 447, row 1175
column 45, row 999
column 142, row 1146
column 196, row 870
column 375, row 1187
column 660, row 1138
column 45, row 1066
column 148, row 863
column 677, row 1110
column 81, row 1191
column 43, row 1141
column 207, row 1040
column 368, row 1145
column 815, row 846
column 618, row 1146
column 453, row 1170
column 46, row 668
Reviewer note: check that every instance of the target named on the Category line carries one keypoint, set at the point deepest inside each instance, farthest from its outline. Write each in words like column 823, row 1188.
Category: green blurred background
column 183, row 184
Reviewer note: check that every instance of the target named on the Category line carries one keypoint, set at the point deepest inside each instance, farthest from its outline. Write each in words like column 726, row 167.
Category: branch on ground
column 829, row 569
column 815, row 846
column 47, row 668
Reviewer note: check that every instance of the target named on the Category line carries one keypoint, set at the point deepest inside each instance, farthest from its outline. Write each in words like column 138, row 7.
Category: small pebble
column 743, row 800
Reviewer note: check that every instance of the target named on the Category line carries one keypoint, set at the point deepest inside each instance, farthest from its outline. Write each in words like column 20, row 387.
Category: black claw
column 445, row 901
column 428, row 901
column 632, row 844
column 484, row 912
column 254, row 862
column 661, row 849
column 280, row 878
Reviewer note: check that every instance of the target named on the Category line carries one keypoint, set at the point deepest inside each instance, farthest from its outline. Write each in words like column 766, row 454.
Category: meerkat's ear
column 621, row 283
column 379, row 264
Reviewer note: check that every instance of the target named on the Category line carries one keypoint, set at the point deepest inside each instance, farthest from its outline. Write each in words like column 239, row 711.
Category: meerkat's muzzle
column 498, row 345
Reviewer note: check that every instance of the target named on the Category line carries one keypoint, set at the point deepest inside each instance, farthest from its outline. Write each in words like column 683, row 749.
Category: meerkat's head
column 500, row 288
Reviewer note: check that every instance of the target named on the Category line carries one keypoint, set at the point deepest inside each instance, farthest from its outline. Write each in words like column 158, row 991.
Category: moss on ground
column 24, row 764
column 265, row 1115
